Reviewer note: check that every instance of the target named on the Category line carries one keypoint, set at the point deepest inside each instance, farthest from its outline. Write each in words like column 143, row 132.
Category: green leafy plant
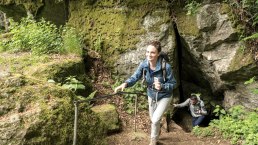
column 98, row 44
column 252, row 37
column 192, row 7
column 86, row 100
column 197, row 94
column 41, row 37
column 245, row 16
column 73, row 84
column 72, row 41
column 255, row 91
column 250, row 81
column 238, row 125
column 205, row 132
column 219, row 111
column 129, row 99
column 38, row 37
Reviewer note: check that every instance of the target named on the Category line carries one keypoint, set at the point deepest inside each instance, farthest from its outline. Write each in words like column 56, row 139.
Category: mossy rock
column 108, row 115
column 42, row 112
column 45, row 67
column 241, row 59
column 187, row 24
column 112, row 27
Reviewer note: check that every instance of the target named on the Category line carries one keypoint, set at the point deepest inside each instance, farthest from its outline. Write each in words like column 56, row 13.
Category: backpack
column 164, row 61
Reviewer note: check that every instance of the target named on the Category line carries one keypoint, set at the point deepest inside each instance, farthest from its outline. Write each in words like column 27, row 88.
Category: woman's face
column 152, row 53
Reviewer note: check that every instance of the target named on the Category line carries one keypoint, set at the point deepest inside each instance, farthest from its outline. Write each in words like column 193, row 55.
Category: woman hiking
column 159, row 87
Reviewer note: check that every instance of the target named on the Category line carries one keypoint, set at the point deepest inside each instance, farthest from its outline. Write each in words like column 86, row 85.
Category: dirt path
column 128, row 136
column 177, row 136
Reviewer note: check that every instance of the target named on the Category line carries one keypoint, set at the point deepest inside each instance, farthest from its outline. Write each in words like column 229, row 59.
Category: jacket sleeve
column 136, row 76
column 184, row 104
column 170, row 83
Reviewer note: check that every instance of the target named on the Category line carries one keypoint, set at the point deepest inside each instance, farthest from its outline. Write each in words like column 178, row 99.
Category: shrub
column 38, row 37
column 238, row 125
column 72, row 41
column 192, row 7
column 41, row 37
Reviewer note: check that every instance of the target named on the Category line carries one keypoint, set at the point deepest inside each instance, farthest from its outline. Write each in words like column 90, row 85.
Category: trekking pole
column 75, row 122
column 135, row 112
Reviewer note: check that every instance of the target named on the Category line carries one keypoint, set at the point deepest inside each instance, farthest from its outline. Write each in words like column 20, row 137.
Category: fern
column 250, row 81
column 254, row 36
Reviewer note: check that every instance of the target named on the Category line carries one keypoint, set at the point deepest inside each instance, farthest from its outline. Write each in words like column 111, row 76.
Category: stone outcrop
column 108, row 115
column 54, row 11
column 33, row 111
column 245, row 95
column 213, row 57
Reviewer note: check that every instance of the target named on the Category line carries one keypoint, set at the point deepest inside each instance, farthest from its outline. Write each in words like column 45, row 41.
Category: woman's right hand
column 121, row 87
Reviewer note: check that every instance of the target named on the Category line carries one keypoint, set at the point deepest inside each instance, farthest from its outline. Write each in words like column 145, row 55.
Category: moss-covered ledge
column 34, row 111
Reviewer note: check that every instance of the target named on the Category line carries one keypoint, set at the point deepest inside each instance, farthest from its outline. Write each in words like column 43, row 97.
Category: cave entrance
column 191, row 80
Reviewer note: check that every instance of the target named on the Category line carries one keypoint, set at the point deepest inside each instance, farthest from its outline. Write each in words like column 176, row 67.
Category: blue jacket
column 167, row 86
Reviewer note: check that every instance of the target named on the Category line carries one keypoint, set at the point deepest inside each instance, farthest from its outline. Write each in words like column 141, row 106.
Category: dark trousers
column 197, row 120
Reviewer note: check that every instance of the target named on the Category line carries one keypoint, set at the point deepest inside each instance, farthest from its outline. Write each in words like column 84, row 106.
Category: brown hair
column 193, row 97
column 156, row 44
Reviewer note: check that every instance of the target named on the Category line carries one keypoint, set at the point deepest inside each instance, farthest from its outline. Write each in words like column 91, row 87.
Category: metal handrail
column 76, row 102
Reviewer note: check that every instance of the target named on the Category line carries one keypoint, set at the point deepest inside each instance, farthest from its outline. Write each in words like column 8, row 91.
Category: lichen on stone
column 241, row 59
column 187, row 24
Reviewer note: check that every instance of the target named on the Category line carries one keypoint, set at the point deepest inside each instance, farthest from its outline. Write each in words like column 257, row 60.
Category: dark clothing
column 197, row 120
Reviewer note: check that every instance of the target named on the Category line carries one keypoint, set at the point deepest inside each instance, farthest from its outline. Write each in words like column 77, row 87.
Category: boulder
column 245, row 95
column 108, row 115
column 33, row 111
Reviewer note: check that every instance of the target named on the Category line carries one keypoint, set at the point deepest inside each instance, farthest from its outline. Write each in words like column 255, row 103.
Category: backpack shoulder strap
column 163, row 67
column 143, row 76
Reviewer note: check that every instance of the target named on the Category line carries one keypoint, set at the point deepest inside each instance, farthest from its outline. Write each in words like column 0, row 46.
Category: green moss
column 104, row 112
column 164, row 19
column 20, row 63
column 224, row 9
column 57, row 117
column 118, row 29
column 187, row 24
column 46, row 110
column 151, row 3
column 48, row 67
column 241, row 59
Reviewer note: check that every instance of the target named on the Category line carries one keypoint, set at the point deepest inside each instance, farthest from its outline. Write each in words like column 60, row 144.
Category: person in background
column 159, row 89
column 196, row 107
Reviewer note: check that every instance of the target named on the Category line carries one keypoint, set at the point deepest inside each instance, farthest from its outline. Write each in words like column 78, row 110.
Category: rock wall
column 212, row 60
column 54, row 11
column 112, row 28
column 213, row 57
